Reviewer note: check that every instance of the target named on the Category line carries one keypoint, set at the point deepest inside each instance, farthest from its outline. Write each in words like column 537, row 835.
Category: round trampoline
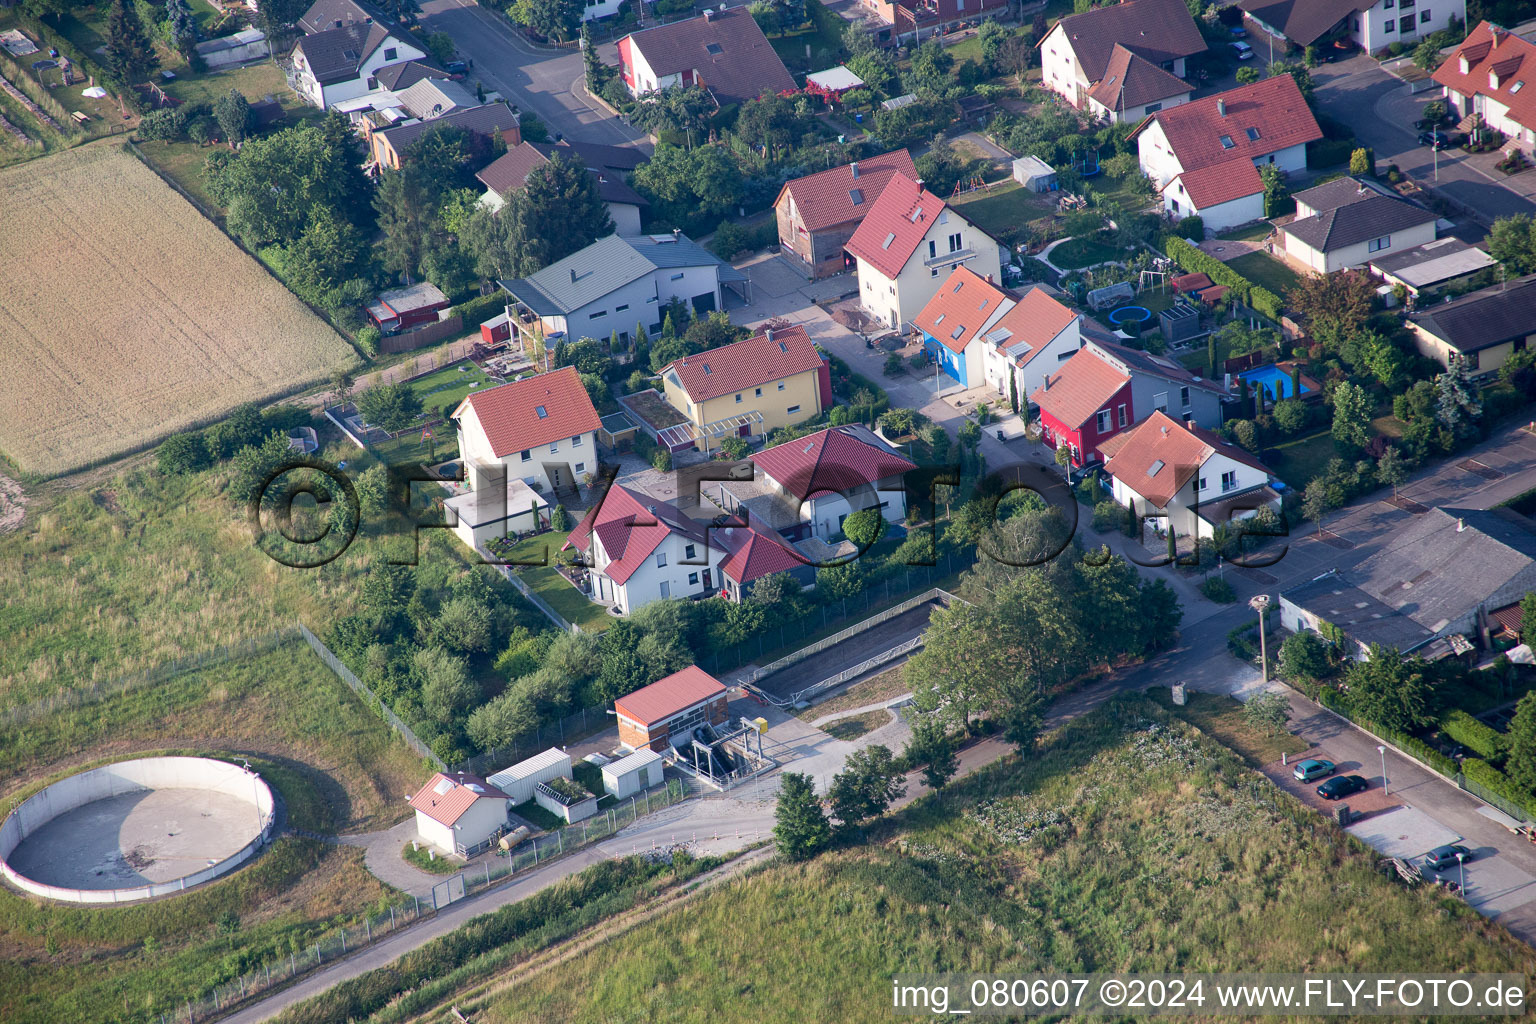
column 1133, row 314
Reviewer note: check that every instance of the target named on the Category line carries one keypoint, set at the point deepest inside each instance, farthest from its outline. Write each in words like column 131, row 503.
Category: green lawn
column 1129, row 838
column 1005, row 209
column 1305, row 458
column 1266, row 271
column 446, row 387
column 546, row 581
column 1077, row 253
column 824, row 36
column 1252, row 233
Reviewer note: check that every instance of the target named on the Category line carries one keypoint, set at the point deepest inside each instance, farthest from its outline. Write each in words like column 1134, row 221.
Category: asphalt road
column 544, row 80
column 1381, row 110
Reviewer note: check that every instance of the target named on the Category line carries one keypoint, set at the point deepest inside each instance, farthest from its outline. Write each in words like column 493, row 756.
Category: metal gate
column 445, row 892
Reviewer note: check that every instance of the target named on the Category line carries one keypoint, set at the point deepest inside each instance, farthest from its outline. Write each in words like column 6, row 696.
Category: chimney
column 1046, row 383
column 854, row 167
column 1221, row 107
column 677, row 233
column 989, row 278
column 1461, row 524
column 573, row 275
column 708, row 14
column 768, row 333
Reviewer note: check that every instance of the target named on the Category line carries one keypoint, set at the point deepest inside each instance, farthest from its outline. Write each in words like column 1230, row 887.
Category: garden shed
column 519, row 780
column 1034, row 174
column 1179, row 322
column 633, row 774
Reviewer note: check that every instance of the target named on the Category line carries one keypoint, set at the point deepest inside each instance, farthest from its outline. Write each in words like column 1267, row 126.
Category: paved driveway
column 547, row 81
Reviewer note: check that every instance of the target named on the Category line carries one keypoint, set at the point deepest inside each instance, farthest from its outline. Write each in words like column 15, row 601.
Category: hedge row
column 1487, row 743
column 481, row 308
column 1195, row 261
column 1497, row 783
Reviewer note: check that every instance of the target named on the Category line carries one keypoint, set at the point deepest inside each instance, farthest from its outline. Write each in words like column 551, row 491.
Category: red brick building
column 677, row 703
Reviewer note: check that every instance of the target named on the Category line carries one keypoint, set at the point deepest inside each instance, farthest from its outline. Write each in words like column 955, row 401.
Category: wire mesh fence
column 314, row 952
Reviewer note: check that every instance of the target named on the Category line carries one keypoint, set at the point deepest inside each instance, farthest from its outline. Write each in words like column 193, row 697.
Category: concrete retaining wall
column 147, row 773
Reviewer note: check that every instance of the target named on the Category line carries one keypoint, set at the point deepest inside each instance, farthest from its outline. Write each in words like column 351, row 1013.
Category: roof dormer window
column 1466, row 66
column 1493, row 79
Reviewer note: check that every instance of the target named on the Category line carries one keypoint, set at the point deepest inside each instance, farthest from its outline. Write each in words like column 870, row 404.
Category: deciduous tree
column 865, row 787
column 800, row 829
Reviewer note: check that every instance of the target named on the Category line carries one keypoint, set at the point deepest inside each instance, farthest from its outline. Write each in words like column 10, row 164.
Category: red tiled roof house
column 640, row 549
column 723, row 51
column 1493, row 73
column 673, row 705
column 907, row 244
column 979, row 331
column 1124, row 61
column 1204, row 156
column 1187, row 472
column 542, row 430
column 459, row 813
column 1084, row 404
column 818, row 214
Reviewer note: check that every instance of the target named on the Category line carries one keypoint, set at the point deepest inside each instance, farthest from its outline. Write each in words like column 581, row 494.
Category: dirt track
column 849, row 653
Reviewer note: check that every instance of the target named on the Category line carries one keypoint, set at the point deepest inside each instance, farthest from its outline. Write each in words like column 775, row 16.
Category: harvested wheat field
column 125, row 315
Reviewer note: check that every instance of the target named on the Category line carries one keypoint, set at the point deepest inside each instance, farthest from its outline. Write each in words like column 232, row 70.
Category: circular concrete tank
column 136, row 829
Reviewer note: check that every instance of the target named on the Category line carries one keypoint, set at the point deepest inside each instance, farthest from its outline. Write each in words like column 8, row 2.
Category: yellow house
column 774, row 379
column 1483, row 327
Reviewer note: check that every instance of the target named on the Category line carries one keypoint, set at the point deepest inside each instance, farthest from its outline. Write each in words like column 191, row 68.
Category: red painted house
column 405, row 308
column 1084, row 404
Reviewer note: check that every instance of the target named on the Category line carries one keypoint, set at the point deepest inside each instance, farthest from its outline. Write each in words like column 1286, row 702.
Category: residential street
column 545, row 80
column 1381, row 110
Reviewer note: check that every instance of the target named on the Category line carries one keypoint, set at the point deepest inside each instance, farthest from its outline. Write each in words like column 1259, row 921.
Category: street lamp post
column 1461, row 864
column 1259, row 603
column 1386, row 790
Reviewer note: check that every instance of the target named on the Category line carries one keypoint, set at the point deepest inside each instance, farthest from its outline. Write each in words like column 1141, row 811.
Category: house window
column 1424, row 16
column 661, row 559
column 1160, row 401
column 527, row 455
column 1378, row 244
column 576, row 441
column 738, row 399
column 1200, row 484
column 1229, row 480
column 781, row 385
column 554, row 447
column 1120, row 415
column 1253, row 135
column 693, row 579
column 688, row 551
column 676, row 277
column 1184, row 397
column 1389, row 26
column 933, row 248
column 1226, row 142
column 581, row 467
column 620, row 309
column 792, row 410
column 389, row 53
column 1153, row 108
column 666, row 589
column 1104, row 421
column 933, row 271
column 954, row 242
column 597, row 315
column 1389, row 4
column 757, row 392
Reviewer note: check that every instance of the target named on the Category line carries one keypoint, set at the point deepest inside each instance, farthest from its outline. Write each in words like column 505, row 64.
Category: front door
column 706, row 579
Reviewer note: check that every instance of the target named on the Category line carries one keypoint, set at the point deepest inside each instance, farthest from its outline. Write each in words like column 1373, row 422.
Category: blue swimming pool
column 1275, row 381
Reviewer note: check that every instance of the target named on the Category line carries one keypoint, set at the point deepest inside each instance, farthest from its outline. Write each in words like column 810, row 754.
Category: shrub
column 1490, row 778
column 1486, row 742
column 1291, row 414
column 559, row 518
column 1192, row 228
column 368, row 339
column 1304, row 656
column 1108, row 515
column 1218, row 589
column 182, row 453
column 481, row 308
column 662, row 460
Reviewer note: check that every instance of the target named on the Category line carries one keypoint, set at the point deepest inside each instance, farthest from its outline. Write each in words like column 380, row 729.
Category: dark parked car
column 1242, row 51
column 1238, row 32
column 1434, row 139
column 456, row 68
column 1342, row 786
column 1442, row 857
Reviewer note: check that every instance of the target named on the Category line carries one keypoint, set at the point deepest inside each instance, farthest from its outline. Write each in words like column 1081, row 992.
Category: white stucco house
column 1122, row 61
column 459, row 814
column 342, row 63
column 1189, row 474
column 1205, row 156
column 541, row 430
column 1491, row 74
column 979, row 331
column 1348, row 222
column 908, row 243
column 1372, row 25
column 640, row 549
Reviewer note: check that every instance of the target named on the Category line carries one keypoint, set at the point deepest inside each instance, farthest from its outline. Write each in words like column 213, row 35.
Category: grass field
column 547, row 582
column 856, row 726
column 1076, row 253
column 1006, row 208
column 129, row 316
column 1129, row 842
column 1266, row 271
column 336, row 765
column 446, row 387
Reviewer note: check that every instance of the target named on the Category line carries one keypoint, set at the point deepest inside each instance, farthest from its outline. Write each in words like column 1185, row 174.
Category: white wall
column 602, row 317
column 633, row 782
column 1135, row 114
column 917, row 284
column 434, row 833
column 694, row 281
column 825, row 511
column 1218, row 218
column 626, row 218
column 1032, row 375
column 644, row 584
column 599, row 9
column 1156, row 156
column 1359, row 254
column 112, row 780
column 1060, row 71
column 1369, row 28
column 520, row 790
